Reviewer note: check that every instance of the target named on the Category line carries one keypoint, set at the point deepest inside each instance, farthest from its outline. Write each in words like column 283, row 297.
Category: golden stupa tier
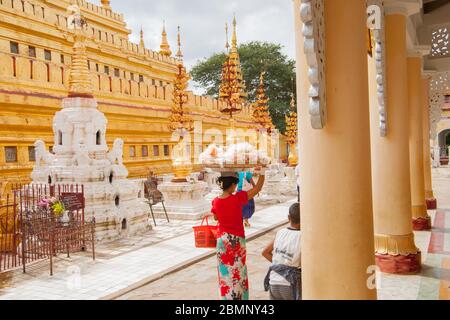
column 232, row 89
column 165, row 47
column 292, row 125
column 261, row 114
column 180, row 119
column 133, row 86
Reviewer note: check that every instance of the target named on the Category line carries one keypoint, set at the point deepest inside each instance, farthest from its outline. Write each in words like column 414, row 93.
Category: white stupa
column 81, row 155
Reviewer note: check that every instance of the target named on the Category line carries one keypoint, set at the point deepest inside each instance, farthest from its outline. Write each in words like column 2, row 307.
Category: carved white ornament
column 312, row 16
column 380, row 58
column 439, row 86
column 440, row 42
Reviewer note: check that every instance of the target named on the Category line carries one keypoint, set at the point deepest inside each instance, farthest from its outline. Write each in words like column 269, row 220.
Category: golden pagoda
column 165, row 47
column 232, row 89
column 292, row 133
column 179, row 121
column 261, row 114
column 80, row 84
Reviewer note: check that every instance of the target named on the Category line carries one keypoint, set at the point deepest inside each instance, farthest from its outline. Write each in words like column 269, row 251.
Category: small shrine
column 81, row 154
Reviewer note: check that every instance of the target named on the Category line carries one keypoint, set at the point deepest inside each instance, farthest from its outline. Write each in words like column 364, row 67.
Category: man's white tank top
column 286, row 251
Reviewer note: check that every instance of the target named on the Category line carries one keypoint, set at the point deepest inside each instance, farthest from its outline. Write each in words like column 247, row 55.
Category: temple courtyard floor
column 164, row 262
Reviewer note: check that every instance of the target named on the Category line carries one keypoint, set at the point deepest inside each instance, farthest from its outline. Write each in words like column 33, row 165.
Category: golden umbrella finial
column 142, row 43
column 261, row 114
column 292, row 132
column 179, row 53
column 80, row 84
column 179, row 120
column 234, row 36
column 232, row 89
column 227, row 45
column 165, row 47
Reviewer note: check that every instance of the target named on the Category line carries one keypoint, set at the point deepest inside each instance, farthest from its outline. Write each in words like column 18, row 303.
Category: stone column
column 395, row 249
column 336, row 203
column 429, row 195
column 421, row 220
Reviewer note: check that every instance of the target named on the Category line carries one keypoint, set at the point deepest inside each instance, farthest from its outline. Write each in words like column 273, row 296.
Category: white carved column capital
column 312, row 16
column 379, row 30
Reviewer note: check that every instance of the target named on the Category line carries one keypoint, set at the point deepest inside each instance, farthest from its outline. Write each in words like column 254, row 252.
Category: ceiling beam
column 434, row 5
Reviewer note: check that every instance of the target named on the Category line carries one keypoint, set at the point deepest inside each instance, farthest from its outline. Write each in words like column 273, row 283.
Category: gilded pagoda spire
column 261, row 114
column 141, row 42
column 232, row 89
column 179, row 120
column 165, row 47
column 292, row 132
column 234, row 36
column 80, row 84
column 227, row 44
column 179, row 54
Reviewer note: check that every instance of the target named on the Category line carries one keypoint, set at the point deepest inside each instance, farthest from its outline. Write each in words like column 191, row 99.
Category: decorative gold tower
column 165, row 47
column 261, row 114
column 80, row 84
column 179, row 121
column 292, row 133
column 232, row 89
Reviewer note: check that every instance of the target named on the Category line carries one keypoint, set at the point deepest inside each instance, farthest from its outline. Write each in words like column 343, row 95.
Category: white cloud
column 203, row 23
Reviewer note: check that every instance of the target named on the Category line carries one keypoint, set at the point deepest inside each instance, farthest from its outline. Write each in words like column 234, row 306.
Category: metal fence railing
column 38, row 222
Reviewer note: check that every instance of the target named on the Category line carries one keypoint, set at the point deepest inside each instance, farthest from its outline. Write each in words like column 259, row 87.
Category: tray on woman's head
column 233, row 167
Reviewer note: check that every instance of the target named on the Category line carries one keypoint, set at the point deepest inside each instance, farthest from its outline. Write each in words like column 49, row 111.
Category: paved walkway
column 201, row 278
column 123, row 267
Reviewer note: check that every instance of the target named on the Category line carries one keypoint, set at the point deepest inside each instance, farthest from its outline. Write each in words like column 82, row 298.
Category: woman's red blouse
column 229, row 213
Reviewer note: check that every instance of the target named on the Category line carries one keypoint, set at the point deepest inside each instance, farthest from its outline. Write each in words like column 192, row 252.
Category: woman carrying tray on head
column 231, row 244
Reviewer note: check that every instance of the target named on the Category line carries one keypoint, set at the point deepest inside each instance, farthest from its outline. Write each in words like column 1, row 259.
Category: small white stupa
column 81, row 154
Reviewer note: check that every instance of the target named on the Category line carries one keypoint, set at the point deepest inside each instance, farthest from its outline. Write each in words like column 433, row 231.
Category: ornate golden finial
column 80, row 84
column 180, row 121
column 292, row 132
column 261, row 114
column 106, row 4
column 179, row 53
column 227, row 45
column 141, row 42
column 232, row 89
column 234, row 37
column 165, row 47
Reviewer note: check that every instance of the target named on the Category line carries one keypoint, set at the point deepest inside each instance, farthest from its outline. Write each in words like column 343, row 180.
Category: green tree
column 255, row 57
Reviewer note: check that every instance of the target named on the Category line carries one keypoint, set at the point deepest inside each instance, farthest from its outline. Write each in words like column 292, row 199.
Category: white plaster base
column 184, row 201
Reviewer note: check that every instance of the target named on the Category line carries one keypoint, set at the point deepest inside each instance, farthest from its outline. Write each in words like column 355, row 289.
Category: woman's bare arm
column 257, row 188
column 268, row 251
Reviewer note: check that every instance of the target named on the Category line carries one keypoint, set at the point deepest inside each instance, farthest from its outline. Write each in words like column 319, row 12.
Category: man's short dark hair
column 294, row 213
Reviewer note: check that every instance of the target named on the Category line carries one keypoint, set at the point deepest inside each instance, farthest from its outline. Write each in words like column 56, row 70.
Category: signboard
column 73, row 201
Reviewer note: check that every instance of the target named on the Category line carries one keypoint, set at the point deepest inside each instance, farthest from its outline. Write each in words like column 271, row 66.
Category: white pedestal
column 184, row 200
